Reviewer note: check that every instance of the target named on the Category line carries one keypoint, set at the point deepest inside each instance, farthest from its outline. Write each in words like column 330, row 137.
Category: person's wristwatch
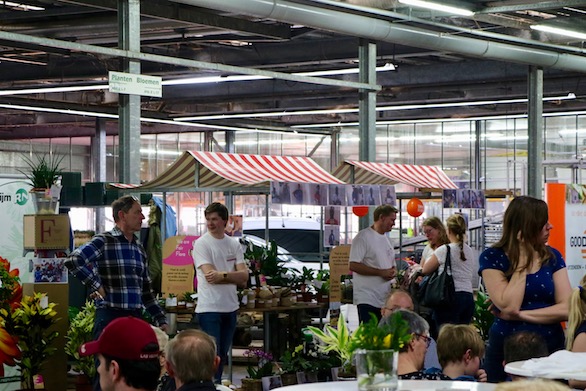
column 225, row 275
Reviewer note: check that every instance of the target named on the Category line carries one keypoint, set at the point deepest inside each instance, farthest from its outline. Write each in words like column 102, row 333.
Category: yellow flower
column 387, row 341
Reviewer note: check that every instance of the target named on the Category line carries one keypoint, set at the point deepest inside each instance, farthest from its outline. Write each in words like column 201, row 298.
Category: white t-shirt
column 224, row 254
column 462, row 271
column 375, row 250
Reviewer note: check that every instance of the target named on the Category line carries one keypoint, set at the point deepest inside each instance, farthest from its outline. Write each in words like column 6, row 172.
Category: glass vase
column 377, row 369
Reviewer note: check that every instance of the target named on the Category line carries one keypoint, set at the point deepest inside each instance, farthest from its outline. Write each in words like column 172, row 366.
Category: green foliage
column 323, row 286
column 187, row 297
column 482, row 318
column 265, row 260
column 336, row 340
column 32, row 324
column 296, row 360
column 43, row 171
column 372, row 336
column 80, row 332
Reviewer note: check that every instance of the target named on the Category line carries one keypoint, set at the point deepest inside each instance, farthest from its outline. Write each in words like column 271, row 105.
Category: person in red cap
column 128, row 355
column 192, row 361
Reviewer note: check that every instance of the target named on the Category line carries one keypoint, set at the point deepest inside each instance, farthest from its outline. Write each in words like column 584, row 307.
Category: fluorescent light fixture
column 559, row 31
column 570, row 96
column 192, row 80
column 438, row 7
column 221, row 79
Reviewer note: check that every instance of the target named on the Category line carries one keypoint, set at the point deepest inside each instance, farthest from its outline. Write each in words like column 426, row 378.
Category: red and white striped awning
column 422, row 177
column 217, row 170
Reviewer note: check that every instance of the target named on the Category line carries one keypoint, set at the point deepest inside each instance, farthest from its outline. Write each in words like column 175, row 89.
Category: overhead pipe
column 382, row 30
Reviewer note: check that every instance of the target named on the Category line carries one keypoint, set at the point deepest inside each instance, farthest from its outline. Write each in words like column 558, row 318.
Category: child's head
column 524, row 345
column 460, row 342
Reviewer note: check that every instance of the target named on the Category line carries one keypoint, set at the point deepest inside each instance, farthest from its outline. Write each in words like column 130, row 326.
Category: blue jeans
column 221, row 326
column 364, row 311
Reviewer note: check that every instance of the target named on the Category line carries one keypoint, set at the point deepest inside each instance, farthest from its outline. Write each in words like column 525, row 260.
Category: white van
column 297, row 237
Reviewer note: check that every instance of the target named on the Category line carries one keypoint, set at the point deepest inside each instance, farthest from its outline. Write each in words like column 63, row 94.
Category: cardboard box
column 54, row 371
column 46, row 232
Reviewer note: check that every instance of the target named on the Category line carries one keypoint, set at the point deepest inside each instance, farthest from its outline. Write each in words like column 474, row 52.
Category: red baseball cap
column 124, row 338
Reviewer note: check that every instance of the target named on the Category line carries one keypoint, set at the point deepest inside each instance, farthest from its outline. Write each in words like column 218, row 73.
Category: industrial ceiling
column 440, row 58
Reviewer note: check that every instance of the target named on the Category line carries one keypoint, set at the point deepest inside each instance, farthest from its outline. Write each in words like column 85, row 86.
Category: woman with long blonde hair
column 436, row 234
column 576, row 331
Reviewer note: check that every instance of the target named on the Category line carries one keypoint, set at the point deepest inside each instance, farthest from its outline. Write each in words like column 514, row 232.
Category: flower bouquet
column 376, row 349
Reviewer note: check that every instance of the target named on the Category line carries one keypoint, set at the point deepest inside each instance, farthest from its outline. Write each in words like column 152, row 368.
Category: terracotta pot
column 249, row 384
column 323, row 298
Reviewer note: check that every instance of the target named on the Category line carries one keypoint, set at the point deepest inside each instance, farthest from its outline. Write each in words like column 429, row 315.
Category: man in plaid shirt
column 114, row 266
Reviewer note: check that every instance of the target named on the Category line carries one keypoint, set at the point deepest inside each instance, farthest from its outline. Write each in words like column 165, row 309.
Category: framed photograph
column 388, row 194
column 49, row 270
column 332, row 215
column 331, row 235
column 318, row 194
column 271, row 382
column 337, row 195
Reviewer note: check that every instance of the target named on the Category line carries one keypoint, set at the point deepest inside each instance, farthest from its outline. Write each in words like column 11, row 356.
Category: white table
column 559, row 365
column 404, row 385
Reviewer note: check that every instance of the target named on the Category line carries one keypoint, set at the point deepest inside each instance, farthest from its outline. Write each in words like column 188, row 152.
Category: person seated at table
column 412, row 354
column 400, row 299
column 524, row 345
column 576, row 331
column 460, row 350
column 532, row 385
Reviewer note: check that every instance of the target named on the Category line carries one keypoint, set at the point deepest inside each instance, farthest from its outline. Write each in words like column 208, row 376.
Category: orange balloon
column 360, row 211
column 415, row 207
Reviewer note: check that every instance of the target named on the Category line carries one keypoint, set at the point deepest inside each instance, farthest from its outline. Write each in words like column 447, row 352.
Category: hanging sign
column 130, row 83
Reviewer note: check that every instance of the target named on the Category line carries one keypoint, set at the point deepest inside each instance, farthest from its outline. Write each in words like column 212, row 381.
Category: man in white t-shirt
column 372, row 261
column 220, row 268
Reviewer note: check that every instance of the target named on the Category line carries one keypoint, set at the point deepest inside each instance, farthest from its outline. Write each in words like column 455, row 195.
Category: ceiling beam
column 176, row 12
column 515, row 5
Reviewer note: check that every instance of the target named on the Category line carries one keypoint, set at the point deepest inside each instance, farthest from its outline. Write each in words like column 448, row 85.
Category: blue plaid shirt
column 110, row 261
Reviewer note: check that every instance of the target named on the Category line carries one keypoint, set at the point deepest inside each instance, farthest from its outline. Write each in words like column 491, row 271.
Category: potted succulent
column 80, row 332
column 31, row 324
column 43, row 172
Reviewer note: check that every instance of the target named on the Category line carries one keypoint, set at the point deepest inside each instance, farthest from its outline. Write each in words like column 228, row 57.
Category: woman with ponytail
column 576, row 331
column 463, row 269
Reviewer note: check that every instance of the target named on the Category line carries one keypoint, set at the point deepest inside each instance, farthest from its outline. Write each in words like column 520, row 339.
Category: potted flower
column 43, row 172
column 292, row 362
column 80, row 332
column 376, row 350
column 262, row 366
column 31, row 324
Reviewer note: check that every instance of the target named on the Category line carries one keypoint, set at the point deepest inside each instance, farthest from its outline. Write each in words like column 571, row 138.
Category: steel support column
column 129, row 105
column 535, row 132
column 98, row 147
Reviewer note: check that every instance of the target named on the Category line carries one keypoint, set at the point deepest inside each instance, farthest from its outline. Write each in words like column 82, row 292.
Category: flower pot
column 289, row 379
column 249, row 384
column 377, row 369
column 83, row 383
column 323, row 298
column 44, row 203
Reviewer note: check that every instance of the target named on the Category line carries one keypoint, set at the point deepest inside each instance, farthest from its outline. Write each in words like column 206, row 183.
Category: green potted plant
column 261, row 365
column 80, row 331
column 43, row 172
column 292, row 362
column 32, row 325
column 322, row 286
column 335, row 340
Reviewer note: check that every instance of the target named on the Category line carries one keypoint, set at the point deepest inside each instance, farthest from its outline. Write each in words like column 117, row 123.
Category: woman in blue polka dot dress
column 526, row 280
